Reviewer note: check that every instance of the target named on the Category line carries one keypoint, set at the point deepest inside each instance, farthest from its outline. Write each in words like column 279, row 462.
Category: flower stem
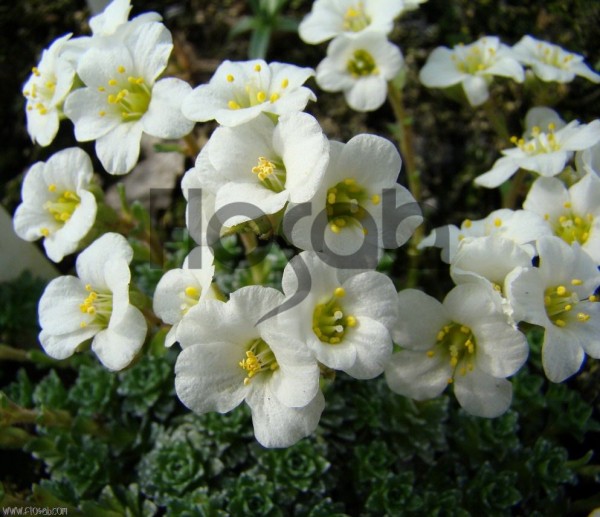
column 192, row 148
column 249, row 241
column 515, row 190
column 406, row 142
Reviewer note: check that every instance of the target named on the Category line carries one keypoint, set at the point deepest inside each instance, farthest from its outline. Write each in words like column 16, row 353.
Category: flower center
column 190, row 297
column 362, row 64
column 573, row 228
column 458, row 343
column 254, row 92
column 355, row 18
column 259, row 358
column 98, row 306
column 61, row 208
column 271, row 174
column 554, row 56
column 560, row 301
column 541, row 143
column 345, row 204
column 126, row 95
column 474, row 60
column 330, row 324
column 41, row 91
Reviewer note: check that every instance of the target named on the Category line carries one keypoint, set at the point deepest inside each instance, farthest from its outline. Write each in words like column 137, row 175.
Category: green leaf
column 259, row 42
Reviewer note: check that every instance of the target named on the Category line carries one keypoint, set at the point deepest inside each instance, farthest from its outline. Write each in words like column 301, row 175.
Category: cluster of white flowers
column 120, row 97
column 360, row 60
column 474, row 66
column 270, row 169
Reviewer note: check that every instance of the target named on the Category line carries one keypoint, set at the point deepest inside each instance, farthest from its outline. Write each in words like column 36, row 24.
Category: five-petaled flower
column 57, row 204
column 122, row 98
column 94, row 305
column 240, row 91
column 473, row 66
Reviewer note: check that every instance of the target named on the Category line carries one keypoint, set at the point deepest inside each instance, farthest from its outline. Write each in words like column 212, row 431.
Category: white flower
column 473, row 66
column 466, row 341
column 108, row 27
column 330, row 18
column 545, row 148
column 240, row 91
column 360, row 67
column 95, row 305
column 264, row 165
column 490, row 258
column 57, row 204
column 588, row 160
column 573, row 213
column 122, row 98
column 551, row 62
column 559, row 296
column 520, row 226
column 45, row 91
column 180, row 289
column 230, row 356
column 344, row 318
column 358, row 204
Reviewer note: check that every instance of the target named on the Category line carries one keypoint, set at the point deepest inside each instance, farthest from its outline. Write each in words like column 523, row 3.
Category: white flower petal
column 119, row 149
column 420, row 318
column 562, row 355
column 483, row 395
column 164, row 118
column 415, row 375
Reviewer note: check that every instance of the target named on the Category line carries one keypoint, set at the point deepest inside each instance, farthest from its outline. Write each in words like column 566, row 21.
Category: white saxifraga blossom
column 263, row 164
column 180, row 289
column 57, row 204
column 473, row 66
column 347, row 211
column 95, row 304
column 122, row 98
column 240, row 91
column 466, row 342
column 360, row 67
column 343, row 317
column 559, row 296
column 230, row 355
column 45, row 90
column 573, row 213
column 520, row 226
column 546, row 147
column 330, row 18
column 551, row 62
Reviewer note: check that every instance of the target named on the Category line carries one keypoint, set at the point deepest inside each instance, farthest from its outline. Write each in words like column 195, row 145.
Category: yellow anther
column 568, row 307
column 375, row 199
column 192, row 292
column 593, row 298
column 88, row 287
column 331, row 198
column 52, row 187
column 102, row 113
column 430, row 353
column 465, row 330
column 552, row 126
column 340, row 222
column 582, row 316
column 339, row 292
column 274, row 97
column 112, row 82
column 453, row 361
column 468, row 223
column 365, row 231
column 560, row 323
column 65, row 216
column 563, row 219
column 35, row 70
column 257, row 68
column 351, row 321
column 45, row 232
column 261, row 96
column 567, row 204
column 139, row 80
column 561, row 290
column 334, row 340
column 335, row 228
column 480, row 67
column 121, row 69
column 233, row 105
column 576, row 281
column 230, row 78
column 546, row 217
column 450, row 380
column 83, row 324
column 91, row 310
column 285, row 83
column 132, row 80
column 112, row 99
column 514, row 140
column 463, row 371
column 440, row 335
column 497, row 222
